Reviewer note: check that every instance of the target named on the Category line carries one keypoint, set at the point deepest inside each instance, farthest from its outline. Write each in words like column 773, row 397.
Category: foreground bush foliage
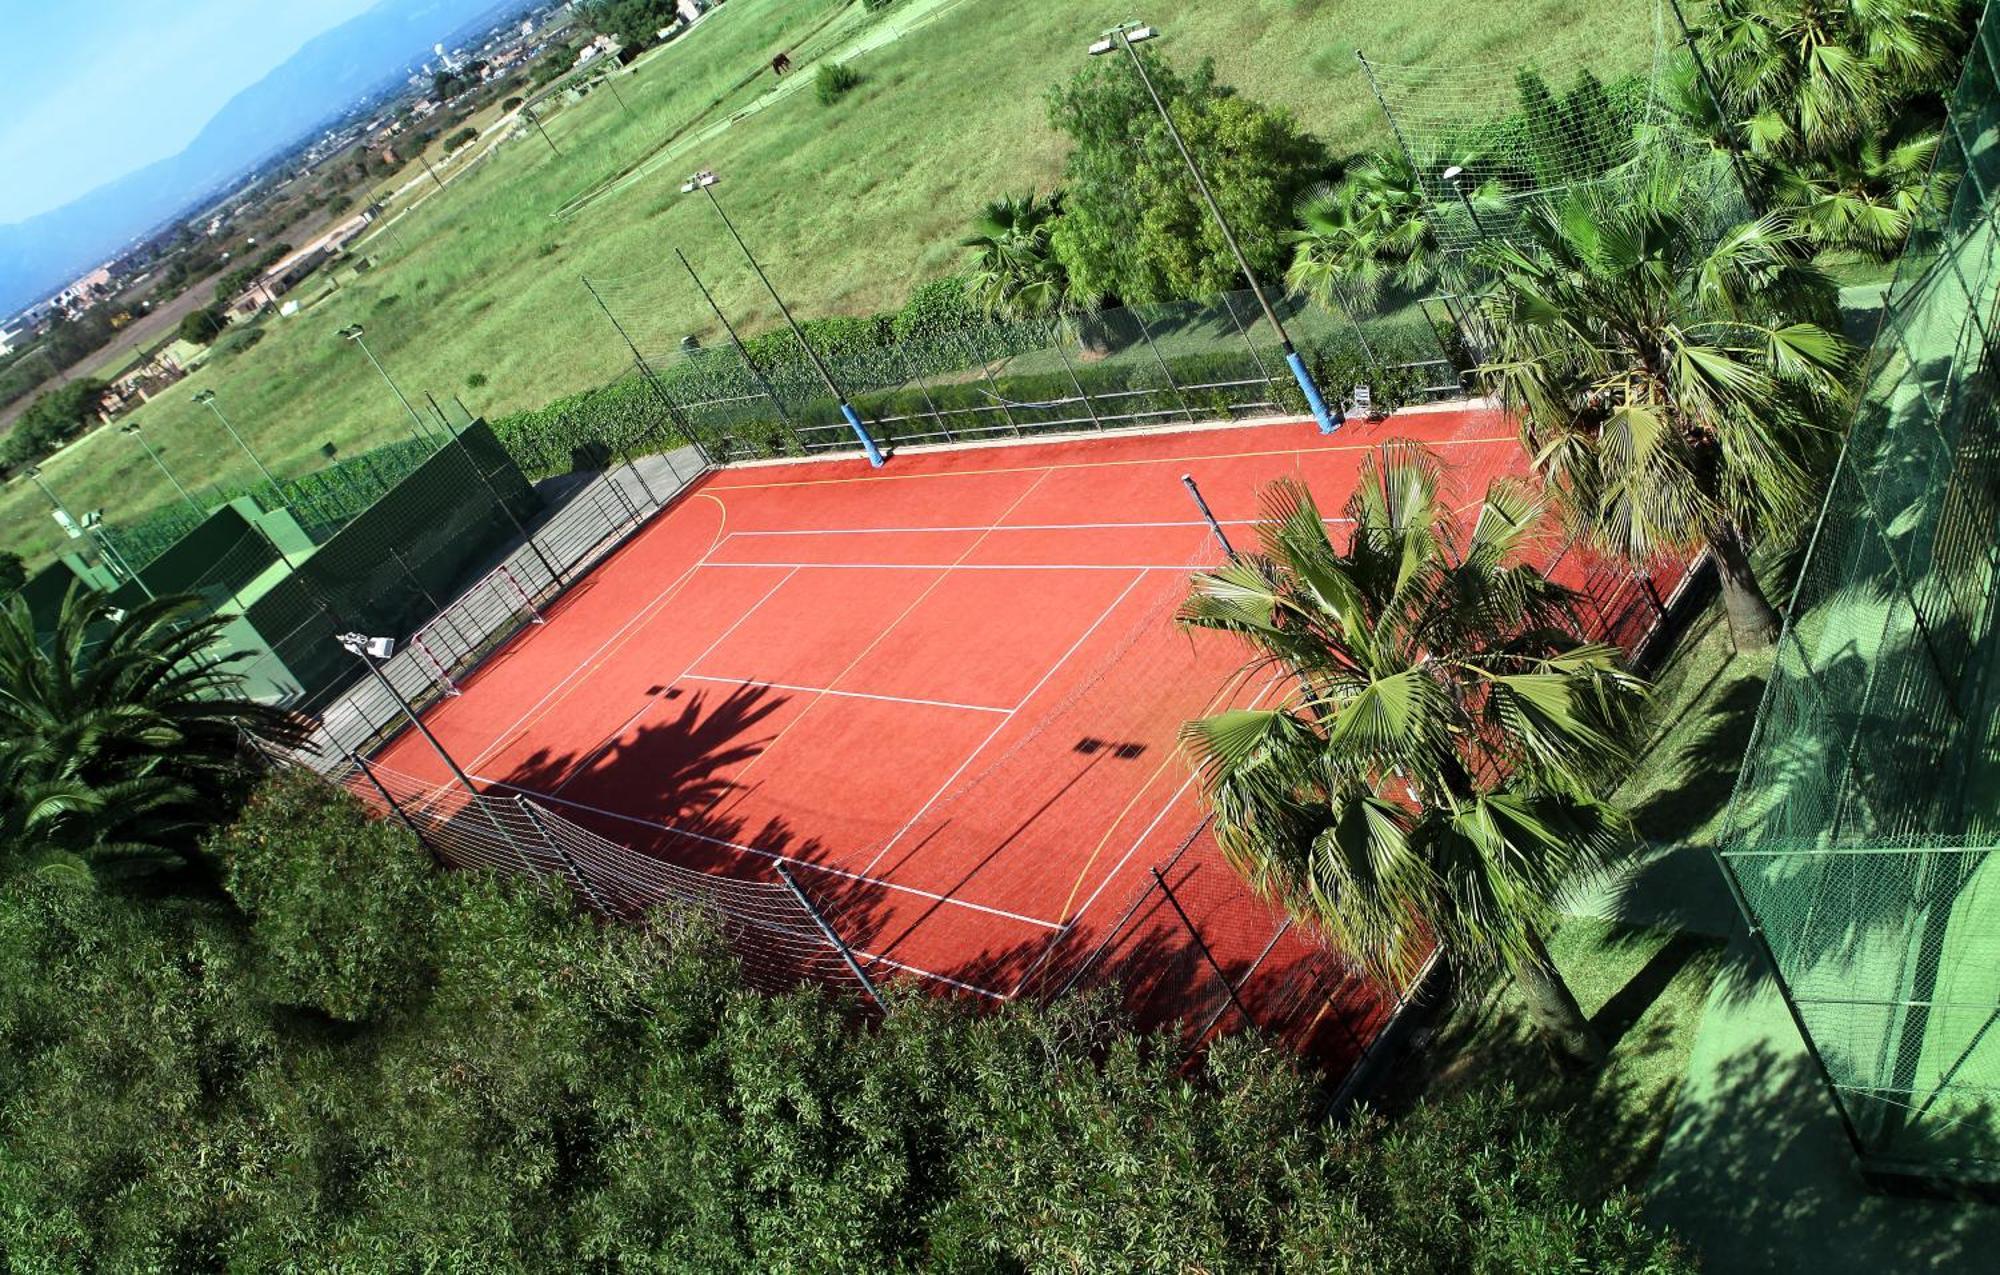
column 359, row 1063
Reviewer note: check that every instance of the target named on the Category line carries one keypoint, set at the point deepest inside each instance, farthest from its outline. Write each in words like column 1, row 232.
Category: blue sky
column 92, row 89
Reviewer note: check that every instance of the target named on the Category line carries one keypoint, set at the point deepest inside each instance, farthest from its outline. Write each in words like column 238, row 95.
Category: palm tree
column 1810, row 79
column 1673, row 390
column 1435, row 779
column 1014, row 272
column 1866, row 198
column 1374, row 228
column 119, row 731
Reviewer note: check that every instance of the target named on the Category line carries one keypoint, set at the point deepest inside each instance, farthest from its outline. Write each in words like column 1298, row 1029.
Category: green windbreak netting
column 1862, row 829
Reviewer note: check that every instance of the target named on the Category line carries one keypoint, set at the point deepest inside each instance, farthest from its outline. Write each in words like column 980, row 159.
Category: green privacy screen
column 1861, row 834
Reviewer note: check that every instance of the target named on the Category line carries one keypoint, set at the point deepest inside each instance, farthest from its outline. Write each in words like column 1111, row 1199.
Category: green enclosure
column 1862, row 831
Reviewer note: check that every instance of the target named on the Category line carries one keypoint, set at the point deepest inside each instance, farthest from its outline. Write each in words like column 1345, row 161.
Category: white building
column 6, row 342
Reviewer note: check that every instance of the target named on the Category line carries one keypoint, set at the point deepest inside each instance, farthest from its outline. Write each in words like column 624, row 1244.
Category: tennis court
column 947, row 692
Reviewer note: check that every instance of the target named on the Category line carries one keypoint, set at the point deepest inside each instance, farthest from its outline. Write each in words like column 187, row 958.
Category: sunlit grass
column 849, row 206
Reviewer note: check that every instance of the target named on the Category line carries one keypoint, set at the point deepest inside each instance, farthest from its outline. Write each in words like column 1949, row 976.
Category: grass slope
column 849, row 206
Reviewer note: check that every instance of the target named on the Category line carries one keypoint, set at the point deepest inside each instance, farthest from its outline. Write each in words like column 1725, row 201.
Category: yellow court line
column 1110, row 464
column 1173, row 755
column 631, row 629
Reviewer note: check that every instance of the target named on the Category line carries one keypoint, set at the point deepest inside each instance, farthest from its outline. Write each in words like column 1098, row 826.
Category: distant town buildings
column 85, row 292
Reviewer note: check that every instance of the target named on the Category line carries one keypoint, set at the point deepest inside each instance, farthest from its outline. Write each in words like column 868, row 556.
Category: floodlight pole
column 207, row 399
column 770, row 391
column 432, row 171
column 1451, row 179
column 705, row 182
column 827, row 932
column 534, row 119
column 34, row 473
column 682, row 421
column 134, row 430
column 354, row 642
column 420, row 432
column 1328, row 422
column 1715, row 100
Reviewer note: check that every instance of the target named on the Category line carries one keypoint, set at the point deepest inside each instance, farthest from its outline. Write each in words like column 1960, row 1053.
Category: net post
column 1229, row 550
column 827, row 932
column 646, row 370
column 992, row 386
column 443, row 676
column 1160, row 879
column 770, row 391
column 1763, row 946
column 526, row 599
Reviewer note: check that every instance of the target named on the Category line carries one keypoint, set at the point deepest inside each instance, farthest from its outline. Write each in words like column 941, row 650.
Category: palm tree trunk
column 1553, row 1006
column 1753, row 622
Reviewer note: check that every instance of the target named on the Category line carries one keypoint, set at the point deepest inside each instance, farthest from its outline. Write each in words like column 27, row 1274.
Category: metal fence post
column 827, row 932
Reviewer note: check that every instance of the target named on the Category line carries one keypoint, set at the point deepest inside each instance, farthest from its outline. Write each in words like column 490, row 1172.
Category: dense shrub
column 833, row 81
column 936, row 309
column 524, row 1088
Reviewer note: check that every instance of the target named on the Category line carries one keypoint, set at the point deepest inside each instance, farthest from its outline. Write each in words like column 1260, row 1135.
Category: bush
column 475, row 380
column 339, row 905
column 936, row 309
column 238, row 340
column 203, row 326
column 511, row 103
column 833, row 81
column 460, row 138
column 542, row 1091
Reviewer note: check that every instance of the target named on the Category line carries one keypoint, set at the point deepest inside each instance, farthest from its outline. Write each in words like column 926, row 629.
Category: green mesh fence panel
column 396, row 563
column 1862, row 829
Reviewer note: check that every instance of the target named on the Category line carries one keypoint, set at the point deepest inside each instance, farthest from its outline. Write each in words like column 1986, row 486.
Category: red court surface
column 948, row 691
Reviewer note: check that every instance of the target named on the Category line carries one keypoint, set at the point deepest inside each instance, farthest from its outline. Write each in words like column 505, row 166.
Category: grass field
column 849, row 206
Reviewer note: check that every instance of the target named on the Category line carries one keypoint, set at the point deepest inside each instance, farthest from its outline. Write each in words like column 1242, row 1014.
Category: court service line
column 824, row 690
column 611, row 740
column 1111, row 464
column 661, row 825
column 1002, row 725
column 588, row 665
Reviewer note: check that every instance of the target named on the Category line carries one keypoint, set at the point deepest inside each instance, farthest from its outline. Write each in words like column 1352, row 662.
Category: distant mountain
column 312, row 87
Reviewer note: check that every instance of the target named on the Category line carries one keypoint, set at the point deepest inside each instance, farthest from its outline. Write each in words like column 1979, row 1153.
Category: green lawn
column 849, row 206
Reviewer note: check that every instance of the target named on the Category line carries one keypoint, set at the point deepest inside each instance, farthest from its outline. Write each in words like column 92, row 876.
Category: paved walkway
column 1756, row 1174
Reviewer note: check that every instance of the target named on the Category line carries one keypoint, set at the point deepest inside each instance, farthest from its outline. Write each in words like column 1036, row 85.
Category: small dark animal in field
column 781, row 64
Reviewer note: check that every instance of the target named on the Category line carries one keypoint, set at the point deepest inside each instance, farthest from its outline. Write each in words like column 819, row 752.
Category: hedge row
column 919, row 389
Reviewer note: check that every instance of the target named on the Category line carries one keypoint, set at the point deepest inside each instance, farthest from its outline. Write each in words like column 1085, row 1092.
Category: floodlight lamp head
column 1103, row 46
column 706, row 177
column 1453, row 173
column 205, row 397
column 1139, row 35
column 380, row 648
column 352, row 332
column 95, row 518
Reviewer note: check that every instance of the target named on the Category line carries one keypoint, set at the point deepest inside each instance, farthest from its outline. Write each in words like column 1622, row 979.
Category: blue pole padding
column 1327, row 421
column 861, row 432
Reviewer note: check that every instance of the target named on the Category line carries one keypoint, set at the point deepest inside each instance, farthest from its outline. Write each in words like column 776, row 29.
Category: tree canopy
column 357, row 1062
column 1134, row 225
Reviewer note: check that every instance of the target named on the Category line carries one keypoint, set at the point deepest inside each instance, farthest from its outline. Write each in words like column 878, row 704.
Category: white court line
column 1032, row 692
column 659, row 825
column 942, row 978
column 1015, row 526
column 822, row 690
column 651, row 700
column 962, row 566
column 587, row 666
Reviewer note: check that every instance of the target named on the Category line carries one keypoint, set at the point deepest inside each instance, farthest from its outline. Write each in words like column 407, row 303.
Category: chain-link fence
column 1860, row 835
column 954, row 378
